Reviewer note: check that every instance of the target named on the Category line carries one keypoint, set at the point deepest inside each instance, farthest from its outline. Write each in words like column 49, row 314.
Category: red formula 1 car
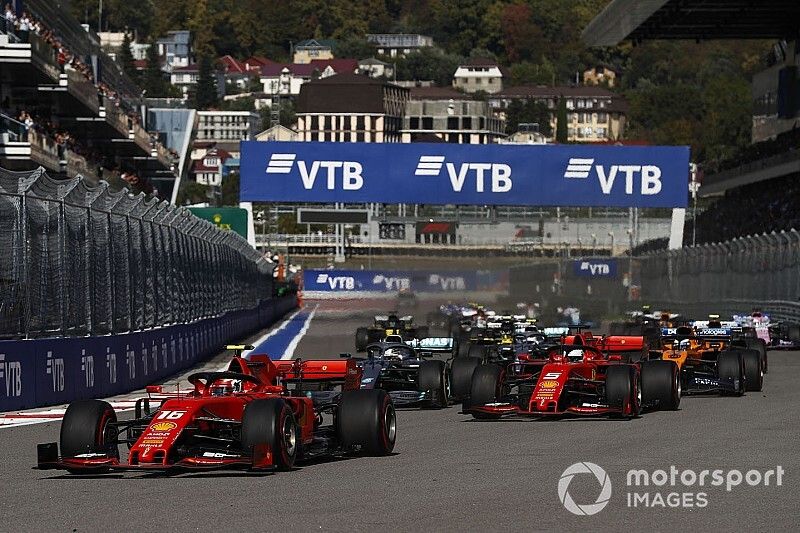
column 258, row 414
column 573, row 380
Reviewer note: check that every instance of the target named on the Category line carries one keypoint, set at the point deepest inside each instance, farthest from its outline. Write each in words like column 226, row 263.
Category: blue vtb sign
column 595, row 268
column 557, row 175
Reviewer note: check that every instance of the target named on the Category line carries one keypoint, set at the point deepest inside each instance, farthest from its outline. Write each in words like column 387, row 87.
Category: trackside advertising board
column 393, row 281
column 39, row 372
column 595, row 268
column 422, row 173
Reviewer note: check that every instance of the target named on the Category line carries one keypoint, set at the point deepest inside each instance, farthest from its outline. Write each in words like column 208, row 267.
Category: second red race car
column 575, row 380
column 258, row 414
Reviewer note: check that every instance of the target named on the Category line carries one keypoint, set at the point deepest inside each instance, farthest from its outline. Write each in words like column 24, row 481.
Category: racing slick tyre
column 661, row 385
column 87, row 428
column 432, row 376
column 793, row 332
column 366, row 418
column 761, row 347
column 422, row 332
column 476, row 350
column 463, row 345
column 485, row 389
column 270, row 422
column 362, row 339
column 374, row 335
column 624, row 389
column 753, row 370
column 731, row 367
column 461, row 371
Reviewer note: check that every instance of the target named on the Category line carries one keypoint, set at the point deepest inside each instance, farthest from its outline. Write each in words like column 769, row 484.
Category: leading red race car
column 258, row 414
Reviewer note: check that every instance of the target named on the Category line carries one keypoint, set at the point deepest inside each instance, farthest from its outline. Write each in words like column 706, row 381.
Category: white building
column 375, row 68
column 227, row 128
column 277, row 133
column 398, row 44
column 479, row 75
column 286, row 79
column 209, row 169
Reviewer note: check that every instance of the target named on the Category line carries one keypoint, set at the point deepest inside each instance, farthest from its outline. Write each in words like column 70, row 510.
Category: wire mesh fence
column 759, row 271
column 735, row 276
column 77, row 259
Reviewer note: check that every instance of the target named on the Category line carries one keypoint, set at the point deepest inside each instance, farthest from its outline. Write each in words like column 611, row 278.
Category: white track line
column 272, row 332
column 293, row 345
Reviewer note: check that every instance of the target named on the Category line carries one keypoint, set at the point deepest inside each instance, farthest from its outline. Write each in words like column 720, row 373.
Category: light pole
column 594, row 244
column 630, row 264
column 611, row 234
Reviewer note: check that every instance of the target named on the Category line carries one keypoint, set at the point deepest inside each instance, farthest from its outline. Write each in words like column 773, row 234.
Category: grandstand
column 755, row 191
column 67, row 107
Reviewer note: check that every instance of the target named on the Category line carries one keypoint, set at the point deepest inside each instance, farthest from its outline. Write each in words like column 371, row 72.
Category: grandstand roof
column 638, row 20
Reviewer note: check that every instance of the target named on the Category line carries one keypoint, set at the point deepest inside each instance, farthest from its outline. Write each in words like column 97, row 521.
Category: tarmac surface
column 450, row 473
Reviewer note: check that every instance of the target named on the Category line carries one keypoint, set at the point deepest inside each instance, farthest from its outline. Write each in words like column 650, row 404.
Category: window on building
column 360, row 136
column 601, row 132
column 427, row 123
column 581, row 103
column 360, row 123
column 602, row 118
column 466, row 123
column 452, row 137
column 452, row 123
column 570, row 104
column 482, row 123
column 314, row 123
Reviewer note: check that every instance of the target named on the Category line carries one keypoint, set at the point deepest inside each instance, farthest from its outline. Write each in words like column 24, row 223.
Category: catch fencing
column 736, row 276
column 78, row 259
column 733, row 277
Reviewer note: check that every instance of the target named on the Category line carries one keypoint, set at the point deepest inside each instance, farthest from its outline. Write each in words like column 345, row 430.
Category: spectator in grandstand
column 24, row 26
column 9, row 19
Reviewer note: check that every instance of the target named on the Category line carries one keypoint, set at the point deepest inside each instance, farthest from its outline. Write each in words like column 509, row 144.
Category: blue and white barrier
column 35, row 373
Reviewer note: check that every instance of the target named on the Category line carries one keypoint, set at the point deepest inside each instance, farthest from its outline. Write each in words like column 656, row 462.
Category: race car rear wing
column 331, row 371
column 433, row 344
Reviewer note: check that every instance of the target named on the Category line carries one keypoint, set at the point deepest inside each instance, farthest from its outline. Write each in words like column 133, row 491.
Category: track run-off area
column 448, row 472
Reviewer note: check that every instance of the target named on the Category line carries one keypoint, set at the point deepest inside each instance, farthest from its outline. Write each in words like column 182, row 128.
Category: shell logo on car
column 163, row 426
column 549, row 384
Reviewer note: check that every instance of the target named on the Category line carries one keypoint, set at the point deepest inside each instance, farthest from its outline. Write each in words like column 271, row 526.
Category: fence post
column 26, row 257
column 62, row 250
column 91, row 259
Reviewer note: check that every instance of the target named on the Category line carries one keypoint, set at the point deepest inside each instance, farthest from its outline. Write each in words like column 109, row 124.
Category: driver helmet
column 684, row 344
column 575, row 355
column 226, row 387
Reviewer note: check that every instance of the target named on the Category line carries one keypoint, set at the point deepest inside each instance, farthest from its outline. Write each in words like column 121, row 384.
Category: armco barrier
column 41, row 372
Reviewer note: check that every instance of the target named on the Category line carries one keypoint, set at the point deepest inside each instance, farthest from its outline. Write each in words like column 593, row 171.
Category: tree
column 152, row 78
column 528, row 111
column 561, row 121
column 230, row 189
column 125, row 58
column 428, row 64
column 192, row 192
column 206, row 93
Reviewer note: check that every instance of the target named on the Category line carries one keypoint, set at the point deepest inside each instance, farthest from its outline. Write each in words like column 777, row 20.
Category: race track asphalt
column 449, row 473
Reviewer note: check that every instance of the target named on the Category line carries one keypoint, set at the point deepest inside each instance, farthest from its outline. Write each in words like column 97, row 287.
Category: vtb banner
column 422, row 173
